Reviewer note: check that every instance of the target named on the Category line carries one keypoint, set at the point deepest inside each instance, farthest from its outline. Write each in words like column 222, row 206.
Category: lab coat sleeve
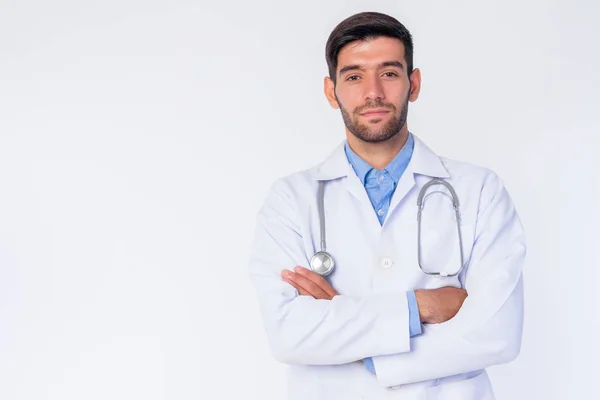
column 306, row 331
column 487, row 330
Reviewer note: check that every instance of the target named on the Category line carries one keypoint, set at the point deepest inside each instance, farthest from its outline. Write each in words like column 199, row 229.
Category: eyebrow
column 353, row 67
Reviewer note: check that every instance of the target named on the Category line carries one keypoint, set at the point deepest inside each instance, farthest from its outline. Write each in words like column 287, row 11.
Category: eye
column 352, row 78
column 390, row 74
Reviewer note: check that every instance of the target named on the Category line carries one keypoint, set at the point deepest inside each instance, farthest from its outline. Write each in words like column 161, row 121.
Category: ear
column 415, row 85
column 329, row 89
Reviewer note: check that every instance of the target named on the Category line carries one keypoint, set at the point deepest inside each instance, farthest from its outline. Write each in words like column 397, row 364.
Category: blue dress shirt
column 380, row 186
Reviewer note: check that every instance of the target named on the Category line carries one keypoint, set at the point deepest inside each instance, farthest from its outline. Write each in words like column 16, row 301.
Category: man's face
column 373, row 88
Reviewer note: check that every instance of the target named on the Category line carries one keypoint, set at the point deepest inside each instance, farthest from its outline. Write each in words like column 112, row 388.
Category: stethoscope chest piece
column 322, row 263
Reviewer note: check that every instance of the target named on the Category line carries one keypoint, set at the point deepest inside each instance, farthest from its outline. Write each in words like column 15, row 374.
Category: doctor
column 412, row 309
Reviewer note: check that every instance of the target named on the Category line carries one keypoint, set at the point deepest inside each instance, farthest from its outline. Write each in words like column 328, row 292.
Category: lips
column 374, row 113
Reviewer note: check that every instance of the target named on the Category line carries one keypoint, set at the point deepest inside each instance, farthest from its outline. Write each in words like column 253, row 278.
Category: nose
column 374, row 89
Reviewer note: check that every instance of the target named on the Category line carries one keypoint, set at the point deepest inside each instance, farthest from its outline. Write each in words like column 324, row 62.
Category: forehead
column 372, row 52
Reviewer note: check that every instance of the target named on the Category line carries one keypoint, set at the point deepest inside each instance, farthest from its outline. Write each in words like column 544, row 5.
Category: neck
column 380, row 154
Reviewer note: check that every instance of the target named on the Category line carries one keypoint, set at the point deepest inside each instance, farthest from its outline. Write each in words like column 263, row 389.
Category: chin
column 377, row 138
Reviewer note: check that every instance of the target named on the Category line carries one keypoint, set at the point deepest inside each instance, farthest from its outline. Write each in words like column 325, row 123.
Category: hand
column 439, row 305
column 309, row 283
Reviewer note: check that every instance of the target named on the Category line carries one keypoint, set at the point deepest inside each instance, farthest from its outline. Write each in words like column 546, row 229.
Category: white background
column 138, row 140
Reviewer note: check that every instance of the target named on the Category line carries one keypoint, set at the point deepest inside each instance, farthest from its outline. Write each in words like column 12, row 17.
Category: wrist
column 423, row 305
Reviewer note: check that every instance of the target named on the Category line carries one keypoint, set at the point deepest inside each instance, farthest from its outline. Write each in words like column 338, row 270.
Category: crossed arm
column 308, row 322
column 435, row 305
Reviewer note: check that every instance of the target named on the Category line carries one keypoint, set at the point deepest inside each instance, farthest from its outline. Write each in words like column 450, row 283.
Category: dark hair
column 366, row 26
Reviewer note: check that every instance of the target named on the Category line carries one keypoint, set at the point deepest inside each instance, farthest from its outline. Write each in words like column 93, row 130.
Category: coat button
column 386, row 263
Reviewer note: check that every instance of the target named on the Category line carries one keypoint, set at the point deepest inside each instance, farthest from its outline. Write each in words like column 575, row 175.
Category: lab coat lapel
column 423, row 162
column 405, row 184
column 356, row 188
column 337, row 166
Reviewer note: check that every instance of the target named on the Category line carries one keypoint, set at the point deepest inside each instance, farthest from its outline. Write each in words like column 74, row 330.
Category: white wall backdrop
column 138, row 139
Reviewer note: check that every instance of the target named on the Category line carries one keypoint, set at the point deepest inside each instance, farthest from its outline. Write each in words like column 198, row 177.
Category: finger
column 303, row 292
column 317, row 280
column 300, row 289
column 309, row 286
column 287, row 276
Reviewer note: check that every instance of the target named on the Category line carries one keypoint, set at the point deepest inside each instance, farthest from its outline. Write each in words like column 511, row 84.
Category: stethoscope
column 322, row 262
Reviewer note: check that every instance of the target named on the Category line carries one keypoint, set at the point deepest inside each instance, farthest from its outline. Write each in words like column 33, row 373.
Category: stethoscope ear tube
column 456, row 206
column 321, row 209
column 322, row 262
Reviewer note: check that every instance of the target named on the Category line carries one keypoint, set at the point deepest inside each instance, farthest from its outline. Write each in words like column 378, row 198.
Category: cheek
column 349, row 95
column 399, row 98
column 347, row 103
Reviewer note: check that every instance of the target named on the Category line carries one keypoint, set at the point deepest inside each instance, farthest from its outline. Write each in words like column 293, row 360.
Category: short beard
column 386, row 132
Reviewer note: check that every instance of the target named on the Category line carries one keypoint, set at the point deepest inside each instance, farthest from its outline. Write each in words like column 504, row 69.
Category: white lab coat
column 325, row 341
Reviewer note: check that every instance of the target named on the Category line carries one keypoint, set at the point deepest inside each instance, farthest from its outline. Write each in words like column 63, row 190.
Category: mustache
column 376, row 104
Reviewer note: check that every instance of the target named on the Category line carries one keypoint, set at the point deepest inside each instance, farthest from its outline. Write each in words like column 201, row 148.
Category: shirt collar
column 395, row 168
column 423, row 161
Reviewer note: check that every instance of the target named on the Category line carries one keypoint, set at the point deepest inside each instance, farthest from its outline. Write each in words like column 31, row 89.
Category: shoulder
column 481, row 185
column 466, row 171
column 292, row 187
column 476, row 179
column 304, row 182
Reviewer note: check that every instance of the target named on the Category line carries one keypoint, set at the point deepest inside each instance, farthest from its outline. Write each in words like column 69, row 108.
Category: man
column 383, row 324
